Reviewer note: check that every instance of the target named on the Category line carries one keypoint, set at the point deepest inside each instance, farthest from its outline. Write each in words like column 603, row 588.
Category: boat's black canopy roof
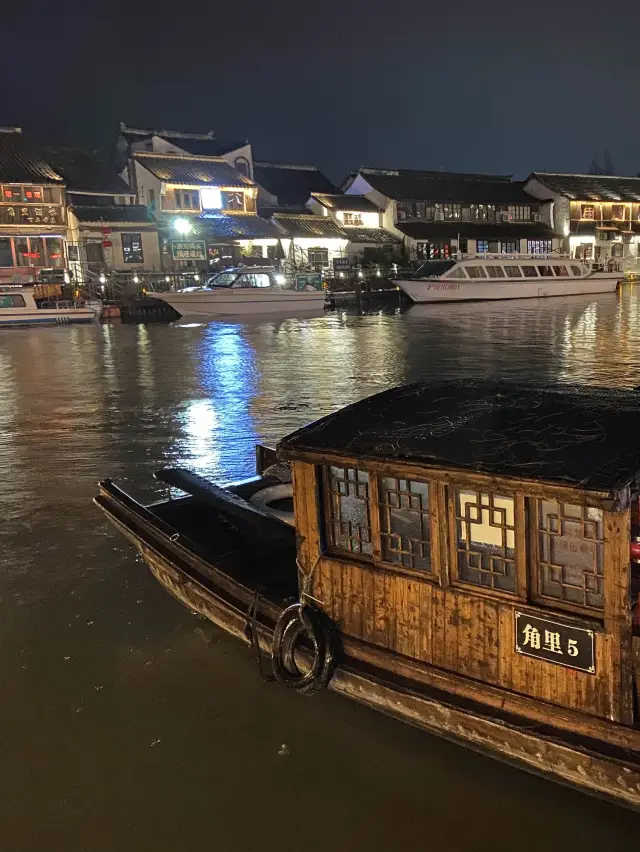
column 570, row 434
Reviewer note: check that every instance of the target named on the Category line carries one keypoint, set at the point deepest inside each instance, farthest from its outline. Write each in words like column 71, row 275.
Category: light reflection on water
column 116, row 701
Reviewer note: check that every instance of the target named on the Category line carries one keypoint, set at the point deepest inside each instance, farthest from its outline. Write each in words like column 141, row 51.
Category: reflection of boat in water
column 18, row 307
column 530, row 307
column 242, row 292
column 510, row 276
column 462, row 559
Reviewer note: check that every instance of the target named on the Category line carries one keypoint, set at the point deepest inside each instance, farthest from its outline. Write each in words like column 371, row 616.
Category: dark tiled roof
column 310, row 226
column 236, row 227
column 291, row 184
column 591, row 187
column 128, row 214
column 198, row 144
column 406, row 184
column 21, row 162
column 192, row 170
column 574, row 434
column 350, row 203
column 370, row 235
column 267, row 211
column 481, row 231
column 84, row 172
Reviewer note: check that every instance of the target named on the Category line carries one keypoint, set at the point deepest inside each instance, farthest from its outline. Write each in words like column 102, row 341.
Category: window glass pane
column 495, row 272
column 132, row 248
column 12, row 194
column 576, row 270
column 350, row 509
column 545, row 271
column 485, row 539
column 405, row 531
column 55, row 254
column 262, row 280
column 561, row 271
column 530, row 271
column 482, row 246
column 32, row 194
column 6, row 256
column 51, row 195
column 457, row 273
column 571, row 542
column 22, row 251
column 476, row 272
column 513, row 271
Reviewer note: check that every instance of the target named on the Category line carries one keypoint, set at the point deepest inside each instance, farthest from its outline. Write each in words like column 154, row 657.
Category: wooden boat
column 462, row 559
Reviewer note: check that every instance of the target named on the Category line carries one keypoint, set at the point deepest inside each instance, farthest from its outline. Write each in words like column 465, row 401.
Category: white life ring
column 262, row 500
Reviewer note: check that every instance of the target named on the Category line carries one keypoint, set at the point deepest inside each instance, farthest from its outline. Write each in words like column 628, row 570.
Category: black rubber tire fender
column 295, row 622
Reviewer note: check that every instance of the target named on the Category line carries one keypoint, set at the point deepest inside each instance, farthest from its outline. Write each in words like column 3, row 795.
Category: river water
column 128, row 724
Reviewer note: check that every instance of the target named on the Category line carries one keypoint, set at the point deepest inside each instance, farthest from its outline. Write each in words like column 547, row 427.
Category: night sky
column 503, row 87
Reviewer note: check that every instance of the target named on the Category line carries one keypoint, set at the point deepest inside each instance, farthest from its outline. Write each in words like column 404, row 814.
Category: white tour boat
column 247, row 290
column 503, row 276
column 18, row 307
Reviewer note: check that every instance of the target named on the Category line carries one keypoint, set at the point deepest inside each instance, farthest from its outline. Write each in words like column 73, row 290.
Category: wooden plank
column 403, row 639
column 425, row 643
column 438, row 631
column 413, row 615
column 439, row 529
column 617, row 615
column 356, row 602
column 506, row 646
column 521, row 545
column 368, row 604
column 380, row 630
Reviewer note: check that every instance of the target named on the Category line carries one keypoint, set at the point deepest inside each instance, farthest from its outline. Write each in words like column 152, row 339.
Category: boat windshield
column 222, row 279
column 432, row 268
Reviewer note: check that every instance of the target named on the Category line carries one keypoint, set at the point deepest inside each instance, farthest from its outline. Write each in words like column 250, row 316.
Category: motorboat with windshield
column 243, row 290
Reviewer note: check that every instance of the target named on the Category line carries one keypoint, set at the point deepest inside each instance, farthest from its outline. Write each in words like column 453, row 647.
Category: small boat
column 242, row 291
column 18, row 307
column 505, row 276
column 464, row 556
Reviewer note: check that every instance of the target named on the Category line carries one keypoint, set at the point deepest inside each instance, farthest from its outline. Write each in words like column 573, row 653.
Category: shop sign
column 341, row 264
column 188, row 250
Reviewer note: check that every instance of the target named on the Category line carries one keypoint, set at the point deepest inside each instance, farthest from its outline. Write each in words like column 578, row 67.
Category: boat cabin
column 502, row 267
column 476, row 537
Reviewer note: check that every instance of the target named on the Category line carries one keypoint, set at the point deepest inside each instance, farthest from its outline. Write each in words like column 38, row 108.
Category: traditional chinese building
column 598, row 216
column 33, row 225
column 440, row 213
column 107, row 231
column 234, row 151
column 361, row 221
column 283, row 187
column 205, row 209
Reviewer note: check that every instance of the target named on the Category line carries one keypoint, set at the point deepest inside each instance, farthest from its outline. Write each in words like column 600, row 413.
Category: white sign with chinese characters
column 555, row 642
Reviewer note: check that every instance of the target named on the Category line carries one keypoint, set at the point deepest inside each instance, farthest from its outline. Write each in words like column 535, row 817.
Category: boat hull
column 226, row 602
column 43, row 316
column 242, row 302
column 422, row 291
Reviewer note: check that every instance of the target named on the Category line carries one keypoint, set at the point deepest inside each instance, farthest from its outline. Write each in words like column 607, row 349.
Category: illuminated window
column 509, row 247
column 588, row 211
column 187, row 199
column 55, row 251
column 482, row 246
column 485, row 540
column 617, row 211
column 570, row 566
column 353, row 219
column 539, row 247
column 405, row 210
column 405, row 531
column 349, row 509
column 318, row 256
column 452, row 211
column 232, row 200
column 421, row 210
column 132, row 248
column 519, row 213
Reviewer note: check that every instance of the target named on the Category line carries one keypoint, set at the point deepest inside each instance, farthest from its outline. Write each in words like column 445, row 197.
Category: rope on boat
column 251, row 632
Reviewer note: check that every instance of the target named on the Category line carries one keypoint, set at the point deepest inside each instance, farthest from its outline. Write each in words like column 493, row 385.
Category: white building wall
column 144, row 181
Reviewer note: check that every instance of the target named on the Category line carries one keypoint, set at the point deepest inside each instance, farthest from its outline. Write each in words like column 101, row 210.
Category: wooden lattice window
column 570, row 542
column 485, row 540
column 405, row 528
column 349, row 509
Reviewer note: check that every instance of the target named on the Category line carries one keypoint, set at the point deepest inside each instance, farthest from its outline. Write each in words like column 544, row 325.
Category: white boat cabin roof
column 502, row 266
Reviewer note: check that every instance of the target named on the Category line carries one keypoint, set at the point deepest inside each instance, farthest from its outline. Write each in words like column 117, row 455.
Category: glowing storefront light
column 210, row 198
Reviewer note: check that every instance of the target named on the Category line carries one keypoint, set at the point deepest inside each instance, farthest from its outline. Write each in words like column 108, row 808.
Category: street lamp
column 182, row 226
